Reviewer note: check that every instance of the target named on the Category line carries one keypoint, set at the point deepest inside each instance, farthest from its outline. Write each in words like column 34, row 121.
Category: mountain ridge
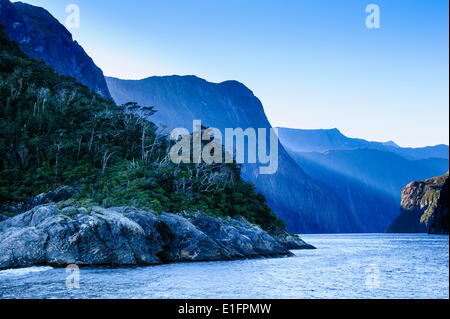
column 60, row 141
column 43, row 37
column 319, row 140
column 368, row 180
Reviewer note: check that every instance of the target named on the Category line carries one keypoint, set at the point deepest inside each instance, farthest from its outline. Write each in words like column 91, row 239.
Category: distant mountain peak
column 335, row 130
column 391, row 143
column 320, row 140
column 235, row 84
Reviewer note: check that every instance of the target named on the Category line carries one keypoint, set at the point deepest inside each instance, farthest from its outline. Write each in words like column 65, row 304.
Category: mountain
column 424, row 207
column 299, row 140
column 42, row 37
column 367, row 176
column 368, row 181
column 62, row 142
column 302, row 203
column 55, row 131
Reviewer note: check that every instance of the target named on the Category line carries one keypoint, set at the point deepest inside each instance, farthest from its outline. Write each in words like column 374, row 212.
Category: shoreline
column 52, row 236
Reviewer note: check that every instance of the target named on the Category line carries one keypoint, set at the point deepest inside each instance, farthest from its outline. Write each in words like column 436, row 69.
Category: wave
column 23, row 271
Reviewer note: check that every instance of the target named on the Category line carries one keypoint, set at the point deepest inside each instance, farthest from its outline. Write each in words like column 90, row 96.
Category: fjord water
column 343, row 266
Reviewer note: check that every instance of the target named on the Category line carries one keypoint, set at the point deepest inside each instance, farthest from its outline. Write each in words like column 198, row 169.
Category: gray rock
column 49, row 235
column 294, row 242
column 23, row 247
column 238, row 237
column 60, row 237
column 185, row 242
column 60, row 194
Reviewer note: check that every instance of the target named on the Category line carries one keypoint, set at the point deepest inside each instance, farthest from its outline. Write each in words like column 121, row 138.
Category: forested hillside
column 55, row 131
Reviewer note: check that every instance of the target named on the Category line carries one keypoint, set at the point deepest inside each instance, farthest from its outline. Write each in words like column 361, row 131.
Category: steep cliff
column 304, row 205
column 55, row 131
column 424, row 207
column 439, row 219
column 42, row 37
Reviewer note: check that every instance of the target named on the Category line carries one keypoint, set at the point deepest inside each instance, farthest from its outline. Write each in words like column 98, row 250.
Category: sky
column 313, row 63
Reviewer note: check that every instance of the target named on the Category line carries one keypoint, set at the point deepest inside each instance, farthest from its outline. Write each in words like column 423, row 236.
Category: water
column 343, row 266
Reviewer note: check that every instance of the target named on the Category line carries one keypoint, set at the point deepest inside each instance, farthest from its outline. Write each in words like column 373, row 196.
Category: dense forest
column 55, row 131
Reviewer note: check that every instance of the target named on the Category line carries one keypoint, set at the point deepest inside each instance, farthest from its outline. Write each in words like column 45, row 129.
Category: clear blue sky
column 313, row 63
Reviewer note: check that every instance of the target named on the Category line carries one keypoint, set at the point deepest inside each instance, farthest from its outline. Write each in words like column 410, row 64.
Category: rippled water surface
column 343, row 266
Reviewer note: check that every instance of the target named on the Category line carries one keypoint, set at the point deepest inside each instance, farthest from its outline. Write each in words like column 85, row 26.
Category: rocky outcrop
column 424, row 207
column 439, row 219
column 42, row 37
column 56, row 235
column 291, row 241
column 60, row 194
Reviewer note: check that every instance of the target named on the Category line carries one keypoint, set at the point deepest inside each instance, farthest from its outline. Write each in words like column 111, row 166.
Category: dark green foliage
column 54, row 131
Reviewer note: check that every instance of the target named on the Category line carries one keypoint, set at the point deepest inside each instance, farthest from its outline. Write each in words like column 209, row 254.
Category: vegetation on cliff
column 439, row 220
column 55, row 131
column 424, row 207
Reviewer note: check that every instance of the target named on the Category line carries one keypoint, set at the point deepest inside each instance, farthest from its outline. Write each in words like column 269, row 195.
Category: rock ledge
column 95, row 236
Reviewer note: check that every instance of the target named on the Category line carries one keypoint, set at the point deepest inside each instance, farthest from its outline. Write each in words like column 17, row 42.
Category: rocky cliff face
column 56, row 235
column 439, row 219
column 303, row 204
column 42, row 37
column 424, row 207
column 325, row 140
